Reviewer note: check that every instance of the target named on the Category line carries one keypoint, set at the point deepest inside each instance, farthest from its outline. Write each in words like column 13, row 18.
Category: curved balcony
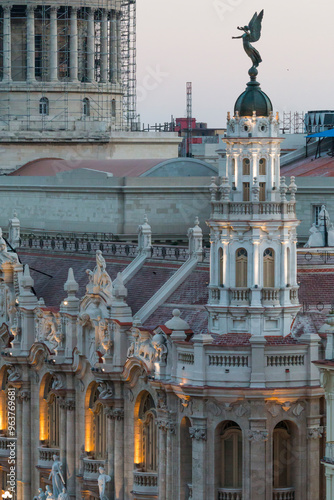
column 240, row 296
column 4, row 441
column 91, row 468
column 145, row 483
column 283, row 494
column 45, row 456
column 329, row 456
column 229, row 494
column 270, row 296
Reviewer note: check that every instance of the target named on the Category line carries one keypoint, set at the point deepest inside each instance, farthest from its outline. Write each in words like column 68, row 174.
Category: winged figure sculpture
column 252, row 33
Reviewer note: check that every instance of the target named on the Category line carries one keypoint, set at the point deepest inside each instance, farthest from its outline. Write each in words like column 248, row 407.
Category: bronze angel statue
column 252, row 33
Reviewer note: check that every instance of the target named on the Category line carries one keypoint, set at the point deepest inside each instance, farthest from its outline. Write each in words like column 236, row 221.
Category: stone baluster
column 74, row 45
column 30, row 13
column 7, row 44
column 54, row 44
column 119, row 453
column 104, row 46
column 70, row 447
column 25, row 396
column 91, row 46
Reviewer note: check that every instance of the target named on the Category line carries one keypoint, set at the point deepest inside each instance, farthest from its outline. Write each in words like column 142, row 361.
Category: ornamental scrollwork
column 198, row 433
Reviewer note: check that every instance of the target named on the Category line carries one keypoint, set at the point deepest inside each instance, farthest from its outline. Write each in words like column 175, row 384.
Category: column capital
column 7, row 8
column 118, row 414
column 30, row 9
column 24, row 395
column 258, row 435
column 315, row 432
column 198, row 433
column 54, row 9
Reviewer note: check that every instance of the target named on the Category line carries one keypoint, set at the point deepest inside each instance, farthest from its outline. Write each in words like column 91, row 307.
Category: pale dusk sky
column 191, row 40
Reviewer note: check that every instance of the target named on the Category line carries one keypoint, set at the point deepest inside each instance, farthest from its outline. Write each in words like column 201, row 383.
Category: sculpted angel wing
column 255, row 27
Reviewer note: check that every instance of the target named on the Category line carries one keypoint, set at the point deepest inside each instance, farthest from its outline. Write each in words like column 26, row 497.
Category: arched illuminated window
column 262, row 166
column 241, row 268
column 113, row 108
column 86, row 107
column 282, row 456
column 146, row 435
column 245, row 166
column 231, row 456
column 51, row 415
column 99, row 428
column 221, row 266
column 44, row 106
column 269, row 268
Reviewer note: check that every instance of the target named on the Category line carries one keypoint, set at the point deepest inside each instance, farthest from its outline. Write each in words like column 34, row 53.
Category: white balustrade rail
column 145, row 483
column 229, row 494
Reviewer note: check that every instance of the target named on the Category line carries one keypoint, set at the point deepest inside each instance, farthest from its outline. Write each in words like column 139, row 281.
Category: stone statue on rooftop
column 252, row 33
column 57, row 476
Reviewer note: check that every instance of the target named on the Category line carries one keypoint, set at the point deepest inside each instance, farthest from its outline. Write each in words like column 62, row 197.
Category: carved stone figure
column 4, row 254
column 315, row 239
column 252, row 33
column 64, row 495
column 57, row 476
column 48, row 493
column 41, row 495
column 102, row 480
column 105, row 390
column 99, row 279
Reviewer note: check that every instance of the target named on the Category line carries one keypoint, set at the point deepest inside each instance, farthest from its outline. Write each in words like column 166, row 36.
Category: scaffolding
column 189, row 119
column 293, row 123
column 69, row 68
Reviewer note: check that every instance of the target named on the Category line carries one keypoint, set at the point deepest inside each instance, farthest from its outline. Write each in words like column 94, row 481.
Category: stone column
column 119, row 453
column 25, row 396
column 70, row 447
column 7, row 44
column 257, row 435
column 198, row 435
column 314, row 435
column 110, row 447
column 74, row 45
column 30, row 13
column 62, row 433
column 91, row 46
column 118, row 55
column 19, row 445
column 53, row 44
column 162, row 426
column 113, row 47
column 104, row 46
column 169, row 465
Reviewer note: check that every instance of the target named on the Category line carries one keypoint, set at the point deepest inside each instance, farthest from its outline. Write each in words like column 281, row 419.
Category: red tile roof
column 310, row 167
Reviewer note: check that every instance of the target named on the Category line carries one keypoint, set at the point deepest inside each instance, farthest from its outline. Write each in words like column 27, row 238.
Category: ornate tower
column 253, row 287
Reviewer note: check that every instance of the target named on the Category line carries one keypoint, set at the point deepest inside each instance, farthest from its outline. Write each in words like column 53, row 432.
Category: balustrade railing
column 244, row 208
column 291, row 360
column 228, row 360
column 329, row 454
column 88, row 244
column 294, row 295
column 145, row 482
column 229, row 494
column 214, row 294
column 283, row 494
column 186, row 358
column 45, row 456
column 270, row 295
column 240, row 296
column 270, row 208
column 91, row 468
column 4, row 451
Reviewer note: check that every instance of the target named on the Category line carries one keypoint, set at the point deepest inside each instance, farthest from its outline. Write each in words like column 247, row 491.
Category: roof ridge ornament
column 252, row 33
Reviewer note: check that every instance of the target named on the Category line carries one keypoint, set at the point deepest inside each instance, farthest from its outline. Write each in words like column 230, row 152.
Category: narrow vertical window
column 262, row 194
column 86, row 107
column 113, row 108
column 245, row 166
column 245, row 191
column 44, row 106
column 269, row 268
column 262, row 166
column 241, row 268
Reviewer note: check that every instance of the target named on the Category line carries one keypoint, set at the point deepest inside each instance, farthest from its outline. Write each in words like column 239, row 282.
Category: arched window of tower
column 113, row 108
column 44, row 106
column 241, row 268
column 245, row 166
column 269, row 268
column 230, row 456
column 86, row 107
column 262, row 166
